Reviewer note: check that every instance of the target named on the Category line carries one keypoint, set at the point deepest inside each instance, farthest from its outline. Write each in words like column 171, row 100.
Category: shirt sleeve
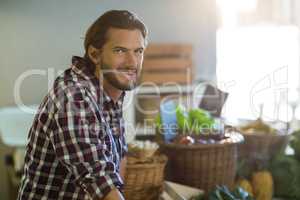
column 83, row 146
column 124, row 145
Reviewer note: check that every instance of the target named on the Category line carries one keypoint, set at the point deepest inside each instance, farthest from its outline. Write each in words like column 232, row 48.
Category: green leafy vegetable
column 182, row 118
column 295, row 143
column 157, row 121
column 286, row 174
column 239, row 193
column 199, row 119
column 192, row 122
column 197, row 197
column 223, row 193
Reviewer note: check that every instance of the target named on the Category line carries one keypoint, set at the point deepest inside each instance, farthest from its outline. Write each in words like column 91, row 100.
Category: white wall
column 38, row 34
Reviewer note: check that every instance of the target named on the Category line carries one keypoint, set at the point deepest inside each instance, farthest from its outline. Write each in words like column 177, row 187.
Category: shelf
column 167, row 89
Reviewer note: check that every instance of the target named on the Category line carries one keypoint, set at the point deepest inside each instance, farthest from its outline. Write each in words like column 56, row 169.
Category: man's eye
column 119, row 50
column 140, row 51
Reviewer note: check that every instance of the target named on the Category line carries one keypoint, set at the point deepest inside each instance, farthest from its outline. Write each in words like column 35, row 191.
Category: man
column 76, row 143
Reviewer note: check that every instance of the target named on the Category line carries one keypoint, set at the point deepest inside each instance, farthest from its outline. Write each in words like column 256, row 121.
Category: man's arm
column 114, row 194
column 123, row 168
column 81, row 144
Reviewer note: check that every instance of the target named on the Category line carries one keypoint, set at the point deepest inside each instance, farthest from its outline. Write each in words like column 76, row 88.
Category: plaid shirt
column 76, row 141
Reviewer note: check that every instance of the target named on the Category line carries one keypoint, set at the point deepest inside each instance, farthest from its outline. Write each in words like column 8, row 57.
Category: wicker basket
column 142, row 154
column 259, row 149
column 202, row 165
column 144, row 179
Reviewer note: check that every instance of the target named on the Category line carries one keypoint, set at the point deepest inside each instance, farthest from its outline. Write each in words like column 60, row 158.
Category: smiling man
column 77, row 147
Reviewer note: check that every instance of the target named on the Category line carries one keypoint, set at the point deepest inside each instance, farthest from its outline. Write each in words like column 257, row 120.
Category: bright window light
column 258, row 65
column 230, row 8
column 238, row 5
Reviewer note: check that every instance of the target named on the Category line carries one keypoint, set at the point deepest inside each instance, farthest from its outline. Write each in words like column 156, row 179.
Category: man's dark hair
column 96, row 35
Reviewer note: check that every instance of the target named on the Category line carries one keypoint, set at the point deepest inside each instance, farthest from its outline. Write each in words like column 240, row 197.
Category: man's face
column 122, row 58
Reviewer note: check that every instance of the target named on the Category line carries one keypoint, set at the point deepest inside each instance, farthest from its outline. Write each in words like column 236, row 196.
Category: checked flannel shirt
column 76, row 142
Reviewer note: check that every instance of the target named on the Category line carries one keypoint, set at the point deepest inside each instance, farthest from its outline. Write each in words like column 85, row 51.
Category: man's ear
column 94, row 54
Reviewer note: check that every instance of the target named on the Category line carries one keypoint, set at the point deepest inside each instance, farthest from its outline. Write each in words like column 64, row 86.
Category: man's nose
column 131, row 59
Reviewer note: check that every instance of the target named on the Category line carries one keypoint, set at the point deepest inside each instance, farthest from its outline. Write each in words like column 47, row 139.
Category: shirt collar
column 108, row 99
column 81, row 67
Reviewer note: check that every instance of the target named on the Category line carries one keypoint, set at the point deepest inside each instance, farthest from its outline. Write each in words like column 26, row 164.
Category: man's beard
column 110, row 75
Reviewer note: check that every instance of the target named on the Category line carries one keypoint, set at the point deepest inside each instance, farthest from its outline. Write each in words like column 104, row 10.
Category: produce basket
column 263, row 147
column 203, row 165
column 262, row 144
column 142, row 150
column 144, row 178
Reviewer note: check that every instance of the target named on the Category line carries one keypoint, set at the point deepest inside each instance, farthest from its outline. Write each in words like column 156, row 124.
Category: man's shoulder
column 68, row 86
column 67, row 77
column 70, row 79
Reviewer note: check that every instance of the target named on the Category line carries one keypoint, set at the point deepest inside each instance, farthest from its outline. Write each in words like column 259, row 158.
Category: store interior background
column 42, row 36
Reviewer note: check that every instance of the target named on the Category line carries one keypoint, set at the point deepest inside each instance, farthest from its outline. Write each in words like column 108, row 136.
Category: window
column 257, row 64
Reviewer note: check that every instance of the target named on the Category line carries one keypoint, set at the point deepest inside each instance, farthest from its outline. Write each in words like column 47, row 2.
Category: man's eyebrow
column 119, row 47
column 124, row 48
column 140, row 48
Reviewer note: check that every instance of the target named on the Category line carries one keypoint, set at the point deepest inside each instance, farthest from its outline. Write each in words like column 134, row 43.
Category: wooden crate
column 165, row 63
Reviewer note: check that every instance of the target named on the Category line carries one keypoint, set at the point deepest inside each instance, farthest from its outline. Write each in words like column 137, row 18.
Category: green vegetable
column 295, row 143
column 192, row 122
column 199, row 119
column 239, row 193
column 157, row 121
column 286, row 175
column 223, row 193
column 182, row 118
column 197, row 197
